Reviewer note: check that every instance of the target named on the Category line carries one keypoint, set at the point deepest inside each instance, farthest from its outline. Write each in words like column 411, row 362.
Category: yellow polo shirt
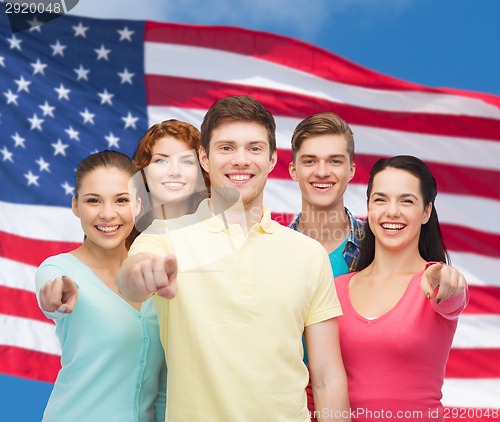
column 232, row 335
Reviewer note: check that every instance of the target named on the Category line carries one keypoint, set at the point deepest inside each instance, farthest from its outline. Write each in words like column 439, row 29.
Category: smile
column 393, row 226
column 108, row 229
column 173, row 185
column 239, row 177
column 322, row 185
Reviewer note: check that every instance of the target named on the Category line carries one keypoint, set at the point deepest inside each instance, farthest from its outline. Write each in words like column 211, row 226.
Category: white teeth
column 393, row 226
column 107, row 229
column 322, row 185
column 174, row 184
column 239, row 177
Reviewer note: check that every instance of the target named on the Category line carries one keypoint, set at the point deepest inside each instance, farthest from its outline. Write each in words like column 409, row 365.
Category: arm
column 144, row 273
column 328, row 377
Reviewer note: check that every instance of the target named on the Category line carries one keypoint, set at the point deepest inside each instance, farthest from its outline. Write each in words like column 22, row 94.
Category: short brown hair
column 326, row 123
column 236, row 108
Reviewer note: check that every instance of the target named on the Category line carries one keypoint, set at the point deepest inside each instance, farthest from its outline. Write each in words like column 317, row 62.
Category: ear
column 138, row 204
column 352, row 171
column 292, row 170
column 272, row 161
column 74, row 206
column 203, row 157
column 427, row 213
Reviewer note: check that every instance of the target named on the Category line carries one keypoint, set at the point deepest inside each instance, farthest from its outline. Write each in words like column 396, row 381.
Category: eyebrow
column 315, row 156
column 97, row 195
column 187, row 155
column 403, row 195
column 228, row 141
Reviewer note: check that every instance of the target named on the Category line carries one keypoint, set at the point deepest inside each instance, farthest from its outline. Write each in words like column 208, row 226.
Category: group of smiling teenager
column 220, row 294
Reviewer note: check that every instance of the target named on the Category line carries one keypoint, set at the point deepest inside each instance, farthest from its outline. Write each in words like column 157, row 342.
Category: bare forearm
column 328, row 376
column 331, row 402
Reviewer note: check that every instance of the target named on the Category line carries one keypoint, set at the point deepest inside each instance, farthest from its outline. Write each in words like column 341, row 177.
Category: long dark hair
column 430, row 243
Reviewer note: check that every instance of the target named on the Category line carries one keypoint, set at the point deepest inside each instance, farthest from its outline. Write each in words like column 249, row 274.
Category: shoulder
column 156, row 227
column 58, row 260
column 56, row 266
column 343, row 280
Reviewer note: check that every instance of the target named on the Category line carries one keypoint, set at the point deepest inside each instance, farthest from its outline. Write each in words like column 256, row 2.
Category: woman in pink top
column 398, row 323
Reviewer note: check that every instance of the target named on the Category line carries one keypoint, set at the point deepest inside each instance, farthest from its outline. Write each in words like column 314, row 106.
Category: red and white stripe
column 457, row 133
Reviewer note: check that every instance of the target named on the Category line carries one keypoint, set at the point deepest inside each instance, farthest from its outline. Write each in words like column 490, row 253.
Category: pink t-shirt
column 396, row 363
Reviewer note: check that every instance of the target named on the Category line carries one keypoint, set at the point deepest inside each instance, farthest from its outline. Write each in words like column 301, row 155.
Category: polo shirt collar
column 217, row 223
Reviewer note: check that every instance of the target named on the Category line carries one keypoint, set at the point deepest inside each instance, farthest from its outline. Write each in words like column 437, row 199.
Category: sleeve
column 45, row 273
column 325, row 302
column 452, row 307
column 160, row 403
column 152, row 240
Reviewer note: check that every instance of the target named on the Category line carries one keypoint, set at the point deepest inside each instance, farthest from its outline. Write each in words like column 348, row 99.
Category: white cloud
column 121, row 9
column 304, row 19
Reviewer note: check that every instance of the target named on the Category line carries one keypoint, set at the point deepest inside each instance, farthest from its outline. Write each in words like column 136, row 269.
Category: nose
column 108, row 211
column 240, row 158
column 392, row 209
column 173, row 168
column 321, row 169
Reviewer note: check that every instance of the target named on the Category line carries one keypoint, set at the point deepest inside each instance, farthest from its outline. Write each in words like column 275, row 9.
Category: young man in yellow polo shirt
column 238, row 290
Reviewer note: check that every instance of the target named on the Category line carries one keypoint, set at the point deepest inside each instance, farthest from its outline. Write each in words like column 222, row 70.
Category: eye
column 161, row 161
column 378, row 199
column 92, row 201
column 308, row 162
column 225, row 148
column 337, row 162
column 123, row 200
column 188, row 162
column 255, row 149
column 407, row 201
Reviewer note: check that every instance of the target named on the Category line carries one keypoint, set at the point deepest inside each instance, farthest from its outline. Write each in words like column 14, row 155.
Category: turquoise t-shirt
column 113, row 365
column 337, row 260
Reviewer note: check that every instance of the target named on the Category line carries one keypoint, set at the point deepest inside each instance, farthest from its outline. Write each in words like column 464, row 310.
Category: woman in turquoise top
column 113, row 366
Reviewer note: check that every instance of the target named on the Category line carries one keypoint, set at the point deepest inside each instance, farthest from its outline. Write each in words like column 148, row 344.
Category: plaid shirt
column 356, row 233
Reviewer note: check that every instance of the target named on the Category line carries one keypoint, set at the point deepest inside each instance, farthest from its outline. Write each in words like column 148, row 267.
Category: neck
column 98, row 258
column 319, row 223
column 172, row 209
column 407, row 260
column 236, row 212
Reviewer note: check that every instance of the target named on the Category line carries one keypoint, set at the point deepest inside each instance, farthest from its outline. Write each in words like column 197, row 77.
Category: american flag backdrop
column 77, row 85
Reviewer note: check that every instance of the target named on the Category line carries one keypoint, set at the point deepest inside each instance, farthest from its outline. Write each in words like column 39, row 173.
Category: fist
column 157, row 275
column 449, row 280
column 59, row 295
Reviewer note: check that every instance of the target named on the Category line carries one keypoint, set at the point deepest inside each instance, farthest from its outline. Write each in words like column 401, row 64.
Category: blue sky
column 438, row 43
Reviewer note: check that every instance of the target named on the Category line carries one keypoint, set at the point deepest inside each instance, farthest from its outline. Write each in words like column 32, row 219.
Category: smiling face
column 323, row 169
column 396, row 209
column 173, row 172
column 106, row 207
column 239, row 159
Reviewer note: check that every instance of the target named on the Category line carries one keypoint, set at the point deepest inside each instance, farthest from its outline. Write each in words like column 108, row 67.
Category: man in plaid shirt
column 323, row 164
